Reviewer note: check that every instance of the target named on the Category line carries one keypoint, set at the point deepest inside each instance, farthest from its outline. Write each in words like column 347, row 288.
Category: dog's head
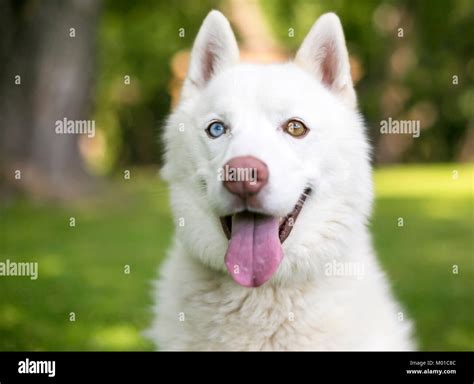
column 268, row 164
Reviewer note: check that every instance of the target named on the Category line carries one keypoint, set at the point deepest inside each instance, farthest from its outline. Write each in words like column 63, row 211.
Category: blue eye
column 216, row 129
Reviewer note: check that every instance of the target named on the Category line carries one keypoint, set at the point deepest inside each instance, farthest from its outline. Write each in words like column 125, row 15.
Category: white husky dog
column 270, row 180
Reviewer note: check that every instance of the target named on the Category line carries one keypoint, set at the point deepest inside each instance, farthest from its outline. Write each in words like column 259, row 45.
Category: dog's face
column 264, row 161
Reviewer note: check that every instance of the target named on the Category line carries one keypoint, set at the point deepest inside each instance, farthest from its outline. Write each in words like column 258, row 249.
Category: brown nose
column 245, row 176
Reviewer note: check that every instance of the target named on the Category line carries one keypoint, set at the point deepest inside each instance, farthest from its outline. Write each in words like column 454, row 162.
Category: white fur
column 199, row 306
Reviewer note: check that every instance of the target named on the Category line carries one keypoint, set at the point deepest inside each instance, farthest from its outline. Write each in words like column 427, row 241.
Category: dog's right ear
column 214, row 49
column 324, row 54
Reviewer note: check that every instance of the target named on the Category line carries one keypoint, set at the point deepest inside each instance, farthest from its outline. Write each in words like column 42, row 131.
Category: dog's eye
column 296, row 128
column 216, row 129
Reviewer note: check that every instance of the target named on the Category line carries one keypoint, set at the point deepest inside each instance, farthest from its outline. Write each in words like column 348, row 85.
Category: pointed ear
column 214, row 49
column 324, row 54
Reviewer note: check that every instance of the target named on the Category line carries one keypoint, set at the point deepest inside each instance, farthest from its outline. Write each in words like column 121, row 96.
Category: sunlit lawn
column 81, row 268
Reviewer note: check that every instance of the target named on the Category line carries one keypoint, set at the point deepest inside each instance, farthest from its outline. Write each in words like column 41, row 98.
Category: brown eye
column 296, row 128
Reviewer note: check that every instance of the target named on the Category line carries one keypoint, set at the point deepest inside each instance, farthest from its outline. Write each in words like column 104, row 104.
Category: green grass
column 81, row 269
column 437, row 234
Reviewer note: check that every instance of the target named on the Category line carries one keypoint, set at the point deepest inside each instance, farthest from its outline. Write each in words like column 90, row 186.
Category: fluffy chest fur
column 201, row 309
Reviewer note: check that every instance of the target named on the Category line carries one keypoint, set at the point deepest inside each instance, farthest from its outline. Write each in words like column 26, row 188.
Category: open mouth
column 285, row 225
column 254, row 251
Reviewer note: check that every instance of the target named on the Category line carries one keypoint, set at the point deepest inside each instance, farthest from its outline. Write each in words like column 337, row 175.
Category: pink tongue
column 254, row 251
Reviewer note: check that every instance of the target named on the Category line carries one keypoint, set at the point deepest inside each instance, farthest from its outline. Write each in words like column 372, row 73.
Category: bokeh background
column 121, row 63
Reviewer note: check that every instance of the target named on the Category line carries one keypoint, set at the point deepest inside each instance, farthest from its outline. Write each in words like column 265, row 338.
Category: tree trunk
column 50, row 45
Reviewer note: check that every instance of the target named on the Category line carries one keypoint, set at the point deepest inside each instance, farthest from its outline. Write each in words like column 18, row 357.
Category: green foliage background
column 138, row 39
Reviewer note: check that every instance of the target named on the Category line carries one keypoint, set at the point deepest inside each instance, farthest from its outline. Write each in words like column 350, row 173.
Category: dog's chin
column 255, row 239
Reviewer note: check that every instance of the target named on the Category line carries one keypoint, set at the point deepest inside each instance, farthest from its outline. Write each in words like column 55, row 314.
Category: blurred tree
column 47, row 59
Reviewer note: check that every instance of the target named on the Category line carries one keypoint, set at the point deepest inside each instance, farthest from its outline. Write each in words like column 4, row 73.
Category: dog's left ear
column 214, row 49
column 324, row 54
